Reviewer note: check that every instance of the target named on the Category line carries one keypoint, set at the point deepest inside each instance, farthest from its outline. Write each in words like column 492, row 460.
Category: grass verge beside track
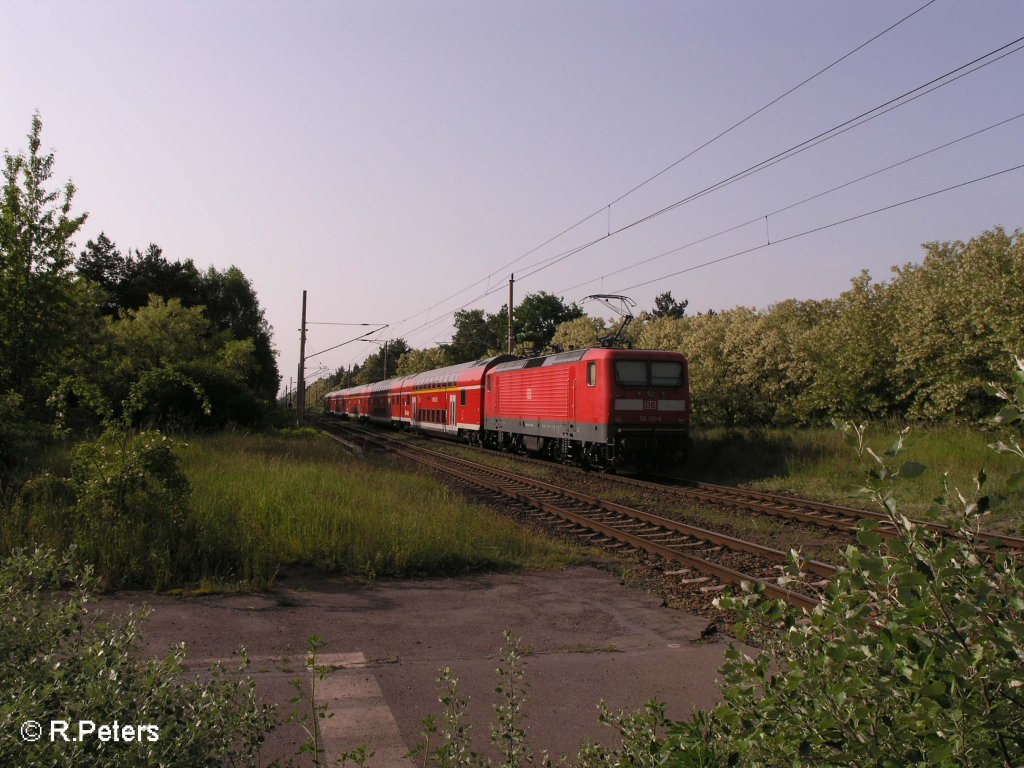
column 264, row 502
column 816, row 463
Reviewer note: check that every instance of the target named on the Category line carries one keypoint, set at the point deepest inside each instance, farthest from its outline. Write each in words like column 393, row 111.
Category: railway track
column 710, row 560
column 817, row 513
column 792, row 508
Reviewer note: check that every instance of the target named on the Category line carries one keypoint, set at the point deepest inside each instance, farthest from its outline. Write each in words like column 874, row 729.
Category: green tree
column 373, row 366
column 166, row 336
column 960, row 315
column 538, row 316
column 419, row 360
column 473, row 338
column 150, row 273
column 229, row 300
column 37, row 298
column 161, row 332
column 855, row 351
column 232, row 305
column 580, row 333
column 666, row 306
column 102, row 263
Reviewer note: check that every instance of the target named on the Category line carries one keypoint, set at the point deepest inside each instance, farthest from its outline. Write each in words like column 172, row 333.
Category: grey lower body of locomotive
column 604, row 446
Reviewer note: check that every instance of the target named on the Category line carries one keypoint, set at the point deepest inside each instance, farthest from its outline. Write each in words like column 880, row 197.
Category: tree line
column 78, row 331
column 920, row 346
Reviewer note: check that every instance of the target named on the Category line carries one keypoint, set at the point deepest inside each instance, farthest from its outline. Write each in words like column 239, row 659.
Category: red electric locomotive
column 603, row 408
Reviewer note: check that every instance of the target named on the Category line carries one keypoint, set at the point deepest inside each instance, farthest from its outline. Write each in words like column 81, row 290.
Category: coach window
column 462, row 397
column 592, row 374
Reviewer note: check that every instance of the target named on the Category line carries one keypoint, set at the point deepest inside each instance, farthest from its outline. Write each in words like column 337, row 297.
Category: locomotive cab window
column 666, row 373
column 592, row 374
column 631, row 373
column 652, row 373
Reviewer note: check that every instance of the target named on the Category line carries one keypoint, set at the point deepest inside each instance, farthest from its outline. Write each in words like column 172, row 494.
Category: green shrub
column 61, row 662
column 914, row 658
column 125, row 507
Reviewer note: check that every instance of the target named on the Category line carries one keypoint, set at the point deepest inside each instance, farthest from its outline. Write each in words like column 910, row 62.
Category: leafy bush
column 914, row 658
column 125, row 507
column 19, row 437
column 59, row 661
column 1011, row 413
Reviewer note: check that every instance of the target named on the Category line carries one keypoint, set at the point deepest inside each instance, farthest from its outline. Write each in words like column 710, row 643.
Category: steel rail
column 721, row 539
column 806, row 510
column 818, row 513
column 471, row 472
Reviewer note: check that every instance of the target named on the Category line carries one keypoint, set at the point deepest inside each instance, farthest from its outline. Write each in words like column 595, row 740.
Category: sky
column 397, row 159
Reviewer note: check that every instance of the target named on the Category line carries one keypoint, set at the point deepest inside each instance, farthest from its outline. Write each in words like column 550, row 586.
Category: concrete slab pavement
column 590, row 638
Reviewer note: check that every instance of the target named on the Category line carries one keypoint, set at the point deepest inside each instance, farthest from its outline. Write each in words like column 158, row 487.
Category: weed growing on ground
column 814, row 463
column 59, row 661
column 447, row 738
column 307, row 714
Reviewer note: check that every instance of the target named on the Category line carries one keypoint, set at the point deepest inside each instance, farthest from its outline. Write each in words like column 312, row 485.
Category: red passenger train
column 602, row 408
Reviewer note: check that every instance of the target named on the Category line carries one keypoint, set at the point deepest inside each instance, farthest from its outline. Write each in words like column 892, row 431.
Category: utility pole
column 511, row 281
column 300, row 399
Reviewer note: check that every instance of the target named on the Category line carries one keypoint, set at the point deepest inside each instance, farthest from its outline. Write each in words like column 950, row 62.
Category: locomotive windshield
column 666, row 373
column 648, row 373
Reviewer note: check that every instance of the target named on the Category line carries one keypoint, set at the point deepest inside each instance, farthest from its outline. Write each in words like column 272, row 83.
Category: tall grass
column 816, row 462
column 263, row 502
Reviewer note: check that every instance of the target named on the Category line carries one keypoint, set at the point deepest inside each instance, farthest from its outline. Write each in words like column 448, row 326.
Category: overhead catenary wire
column 798, row 235
column 762, row 216
column 823, row 227
column 345, row 343
column 954, row 75
column 854, row 122
column 903, row 99
column 837, row 130
column 691, row 153
column 795, row 236
column 790, row 206
column 774, row 101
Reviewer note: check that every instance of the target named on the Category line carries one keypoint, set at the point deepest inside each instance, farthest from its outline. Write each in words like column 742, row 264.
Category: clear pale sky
column 384, row 155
